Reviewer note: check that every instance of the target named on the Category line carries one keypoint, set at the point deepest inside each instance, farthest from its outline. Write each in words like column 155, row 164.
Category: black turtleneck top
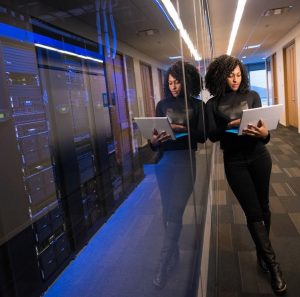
column 175, row 110
column 222, row 110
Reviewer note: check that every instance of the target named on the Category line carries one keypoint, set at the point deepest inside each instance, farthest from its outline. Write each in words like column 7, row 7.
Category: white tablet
column 270, row 115
column 147, row 124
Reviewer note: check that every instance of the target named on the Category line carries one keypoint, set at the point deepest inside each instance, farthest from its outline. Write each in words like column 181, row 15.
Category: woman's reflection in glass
column 175, row 171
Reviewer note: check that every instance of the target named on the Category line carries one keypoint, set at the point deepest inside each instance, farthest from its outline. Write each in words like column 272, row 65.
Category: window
column 258, row 80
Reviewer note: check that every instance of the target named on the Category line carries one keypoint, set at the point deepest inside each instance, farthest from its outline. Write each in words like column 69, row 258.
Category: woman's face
column 174, row 86
column 234, row 79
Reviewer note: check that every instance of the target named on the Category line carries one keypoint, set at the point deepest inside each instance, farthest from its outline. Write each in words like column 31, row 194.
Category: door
column 290, row 86
column 147, row 85
column 274, row 78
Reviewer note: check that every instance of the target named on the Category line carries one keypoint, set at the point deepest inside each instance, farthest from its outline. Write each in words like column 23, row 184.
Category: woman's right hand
column 158, row 138
column 234, row 123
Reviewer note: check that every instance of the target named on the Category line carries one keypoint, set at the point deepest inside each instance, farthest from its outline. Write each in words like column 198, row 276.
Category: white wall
column 293, row 35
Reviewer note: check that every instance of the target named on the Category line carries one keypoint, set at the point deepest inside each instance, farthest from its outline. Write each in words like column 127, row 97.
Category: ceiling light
column 76, row 11
column 244, row 57
column 236, row 23
column 252, row 46
column 147, row 32
column 61, row 14
column 183, row 33
column 277, row 11
column 175, row 57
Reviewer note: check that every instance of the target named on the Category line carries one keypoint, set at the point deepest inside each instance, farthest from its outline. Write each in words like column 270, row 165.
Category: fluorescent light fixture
column 236, row 23
column 183, row 33
column 244, row 57
column 166, row 14
column 252, row 46
column 175, row 57
column 67, row 53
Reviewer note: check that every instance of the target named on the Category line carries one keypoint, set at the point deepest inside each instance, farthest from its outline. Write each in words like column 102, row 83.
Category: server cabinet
column 95, row 77
column 30, row 201
column 125, row 169
column 65, row 82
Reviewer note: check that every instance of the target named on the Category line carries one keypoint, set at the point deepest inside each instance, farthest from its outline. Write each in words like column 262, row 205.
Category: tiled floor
column 233, row 267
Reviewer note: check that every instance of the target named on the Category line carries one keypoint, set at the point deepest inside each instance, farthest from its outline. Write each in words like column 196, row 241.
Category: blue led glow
column 166, row 14
column 112, row 23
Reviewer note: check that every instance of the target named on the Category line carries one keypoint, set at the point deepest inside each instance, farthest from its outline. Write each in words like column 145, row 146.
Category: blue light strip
column 166, row 14
column 22, row 35
column 113, row 29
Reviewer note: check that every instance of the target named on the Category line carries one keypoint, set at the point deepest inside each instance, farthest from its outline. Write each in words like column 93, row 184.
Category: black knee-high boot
column 260, row 260
column 260, row 236
column 168, row 254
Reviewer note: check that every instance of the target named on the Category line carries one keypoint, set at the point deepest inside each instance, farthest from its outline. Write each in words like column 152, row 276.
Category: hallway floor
column 120, row 260
column 233, row 269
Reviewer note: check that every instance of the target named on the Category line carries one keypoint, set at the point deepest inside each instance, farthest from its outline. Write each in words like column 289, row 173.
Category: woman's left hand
column 259, row 131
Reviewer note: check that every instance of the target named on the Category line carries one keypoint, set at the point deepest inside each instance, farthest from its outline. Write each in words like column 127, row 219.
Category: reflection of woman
column 174, row 173
column 247, row 161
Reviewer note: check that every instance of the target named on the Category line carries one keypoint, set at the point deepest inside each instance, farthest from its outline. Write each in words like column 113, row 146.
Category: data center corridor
column 121, row 258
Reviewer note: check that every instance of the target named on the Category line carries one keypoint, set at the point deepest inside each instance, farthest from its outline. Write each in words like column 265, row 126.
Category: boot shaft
column 261, row 239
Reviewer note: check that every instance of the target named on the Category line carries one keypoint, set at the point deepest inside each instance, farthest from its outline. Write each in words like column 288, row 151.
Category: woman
column 175, row 171
column 247, row 161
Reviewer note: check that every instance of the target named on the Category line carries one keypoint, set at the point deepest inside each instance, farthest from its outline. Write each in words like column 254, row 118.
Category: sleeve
column 214, row 131
column 267, row 139
column 198, row 132
column 153, row 147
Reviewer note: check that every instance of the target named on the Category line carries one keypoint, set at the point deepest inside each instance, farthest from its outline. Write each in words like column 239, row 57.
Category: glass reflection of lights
column 39, row 40
column 67, row 52
column 171, row 11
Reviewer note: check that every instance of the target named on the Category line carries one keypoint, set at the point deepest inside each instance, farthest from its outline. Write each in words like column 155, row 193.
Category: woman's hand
column 178, row 128
column 259, row 131
column 234, row 123
column 157, row 138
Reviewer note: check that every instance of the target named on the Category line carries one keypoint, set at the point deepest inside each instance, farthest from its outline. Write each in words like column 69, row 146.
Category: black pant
column 248, row 174
column 175, row 178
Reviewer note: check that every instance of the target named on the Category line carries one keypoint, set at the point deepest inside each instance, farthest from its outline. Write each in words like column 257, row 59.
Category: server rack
column 62, row 173
column 103, row 135
column 121, row 150
column 77, row 133
column 46, row 244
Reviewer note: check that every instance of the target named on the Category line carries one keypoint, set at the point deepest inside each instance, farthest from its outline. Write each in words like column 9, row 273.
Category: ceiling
column 142, row 25
column 254, row 27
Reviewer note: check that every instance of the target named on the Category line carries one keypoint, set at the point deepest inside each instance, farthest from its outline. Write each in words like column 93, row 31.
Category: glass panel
column 77, row 172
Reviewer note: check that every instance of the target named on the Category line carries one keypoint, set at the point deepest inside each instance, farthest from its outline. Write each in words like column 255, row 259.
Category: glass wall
column 89, row 206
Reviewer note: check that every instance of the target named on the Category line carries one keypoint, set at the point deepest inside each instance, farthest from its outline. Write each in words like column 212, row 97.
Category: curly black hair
column 218, row 71
column 192, row 78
